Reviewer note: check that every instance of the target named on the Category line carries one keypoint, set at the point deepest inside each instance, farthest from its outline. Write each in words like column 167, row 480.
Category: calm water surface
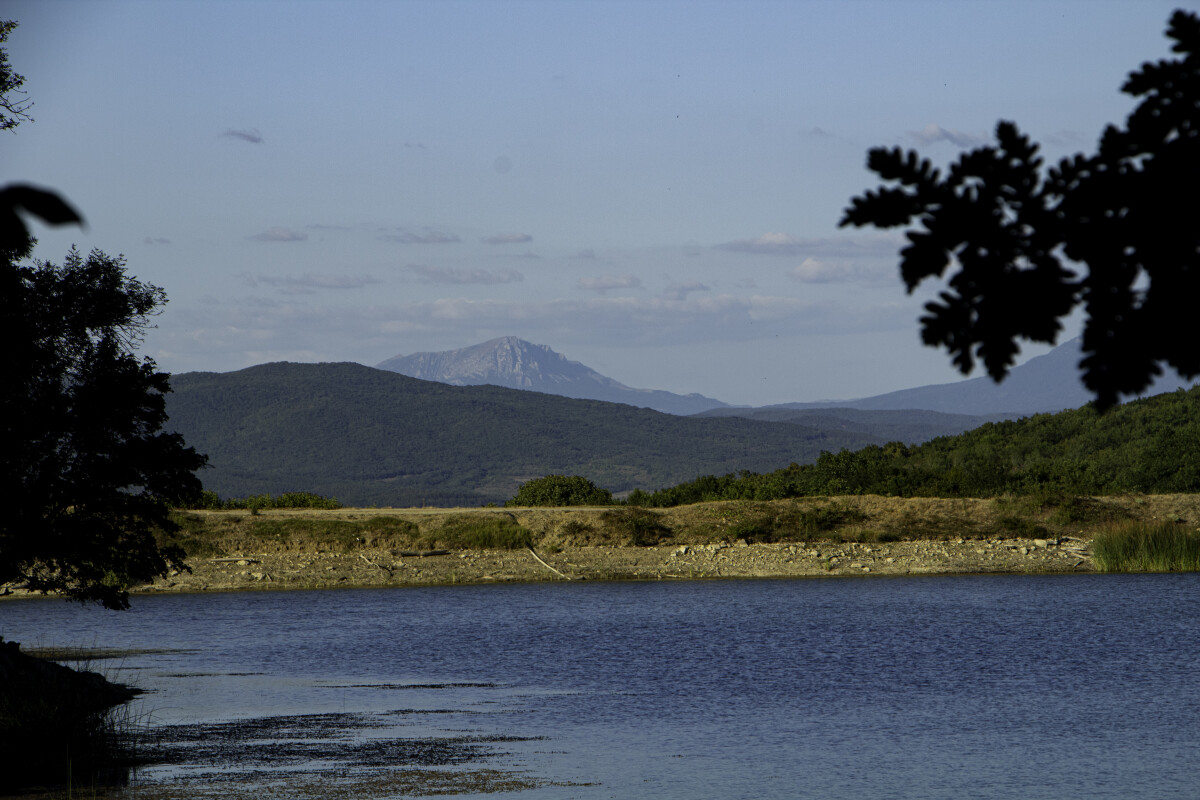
column 985, row 687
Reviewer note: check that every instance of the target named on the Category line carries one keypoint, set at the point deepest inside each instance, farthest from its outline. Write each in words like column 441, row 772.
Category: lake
column 936, row 687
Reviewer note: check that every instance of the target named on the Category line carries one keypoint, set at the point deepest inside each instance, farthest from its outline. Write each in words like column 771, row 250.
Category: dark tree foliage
column 561, row 490
column 52, row 209
column 1151, row 445
column 87, row 475
column 14, row 103
column 1115, row 232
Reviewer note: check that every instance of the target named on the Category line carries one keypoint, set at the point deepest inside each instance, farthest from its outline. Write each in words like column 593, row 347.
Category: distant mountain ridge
column 372, row 437
column 517, row 364
column 1044, row 384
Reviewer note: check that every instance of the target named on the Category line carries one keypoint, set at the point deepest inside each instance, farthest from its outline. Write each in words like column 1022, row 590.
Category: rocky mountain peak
column 517, row 364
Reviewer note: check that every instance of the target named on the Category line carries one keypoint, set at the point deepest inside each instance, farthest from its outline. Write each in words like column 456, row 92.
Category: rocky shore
column 375, row 568
column 857, row 536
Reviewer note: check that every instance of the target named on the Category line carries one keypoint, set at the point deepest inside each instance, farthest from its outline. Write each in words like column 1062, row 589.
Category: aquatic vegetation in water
column 319, row 756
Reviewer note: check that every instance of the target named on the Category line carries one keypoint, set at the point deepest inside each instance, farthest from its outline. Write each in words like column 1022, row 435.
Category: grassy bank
column 861, row 519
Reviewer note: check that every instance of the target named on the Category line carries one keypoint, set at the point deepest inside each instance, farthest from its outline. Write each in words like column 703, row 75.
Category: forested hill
column 911, row 427
column 372, row 437
column 1150, row 445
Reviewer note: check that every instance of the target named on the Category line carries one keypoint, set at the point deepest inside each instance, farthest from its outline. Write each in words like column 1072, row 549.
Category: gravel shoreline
column 378, row 568
column 859, row 536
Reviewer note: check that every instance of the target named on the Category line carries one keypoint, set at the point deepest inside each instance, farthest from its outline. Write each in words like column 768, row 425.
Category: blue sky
column 651, row 188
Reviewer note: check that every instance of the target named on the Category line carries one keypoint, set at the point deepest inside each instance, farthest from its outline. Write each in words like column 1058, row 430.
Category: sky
column 650, row 188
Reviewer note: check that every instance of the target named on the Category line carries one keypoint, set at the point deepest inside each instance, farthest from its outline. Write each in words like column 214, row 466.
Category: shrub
column 191, row 534
column 1020, row 527
column 636, row 526
column 638, row 497
column 761, row 529
column 334, row 534
column 794, row 523
column 1072, row 510
column 561, row 490
column 480, row 532
column 209, row 500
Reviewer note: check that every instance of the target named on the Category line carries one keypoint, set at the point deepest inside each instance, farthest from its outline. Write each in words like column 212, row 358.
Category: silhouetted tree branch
column 14, row 103
column 1115, row 232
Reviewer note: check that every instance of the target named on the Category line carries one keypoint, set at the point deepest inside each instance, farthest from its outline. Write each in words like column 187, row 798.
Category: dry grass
column 848, row 519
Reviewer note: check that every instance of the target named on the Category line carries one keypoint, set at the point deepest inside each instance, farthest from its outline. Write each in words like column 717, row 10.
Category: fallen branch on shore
column 547, row 566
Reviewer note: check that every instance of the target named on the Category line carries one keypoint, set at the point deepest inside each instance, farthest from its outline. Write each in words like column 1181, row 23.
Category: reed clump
column 1135, row 546
column 60, row 727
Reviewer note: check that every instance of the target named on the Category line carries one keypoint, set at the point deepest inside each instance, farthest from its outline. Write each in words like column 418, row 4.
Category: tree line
column 1148, row 446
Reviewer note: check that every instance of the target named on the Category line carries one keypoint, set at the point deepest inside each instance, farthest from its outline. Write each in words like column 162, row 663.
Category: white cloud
column 776, row 244
column 812, row 270
column 605, row 283
column 463, row 276
column 425, row 237
column 255, row 329
column 680, row 291
column 279, row 235
column 932, row 133
column 1067, row 138
column 250, row 135
column 843, row 270
column 864, row 248
column 680, row 318
column 306, row 284
column 507, row 238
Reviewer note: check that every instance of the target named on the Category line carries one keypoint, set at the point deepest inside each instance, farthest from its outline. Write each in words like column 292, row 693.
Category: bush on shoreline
column 480, row 532
column 211, row 501
column 560, row 490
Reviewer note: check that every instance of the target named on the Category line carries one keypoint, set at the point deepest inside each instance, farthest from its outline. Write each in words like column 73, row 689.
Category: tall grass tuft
column 1147, row 547
column 60, row 727
column 480, row 532
column 636, row 527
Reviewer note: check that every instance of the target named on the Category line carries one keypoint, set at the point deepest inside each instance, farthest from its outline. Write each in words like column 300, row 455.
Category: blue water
column 943, row 687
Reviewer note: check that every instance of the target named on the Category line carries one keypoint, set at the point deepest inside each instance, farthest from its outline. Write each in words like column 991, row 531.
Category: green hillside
column 911, row 426
column 372, row 437
column 1150, row 445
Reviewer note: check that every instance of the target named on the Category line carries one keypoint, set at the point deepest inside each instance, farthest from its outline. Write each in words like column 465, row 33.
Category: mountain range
column 517, row 364
column 1045, row 383
column 372, row 437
